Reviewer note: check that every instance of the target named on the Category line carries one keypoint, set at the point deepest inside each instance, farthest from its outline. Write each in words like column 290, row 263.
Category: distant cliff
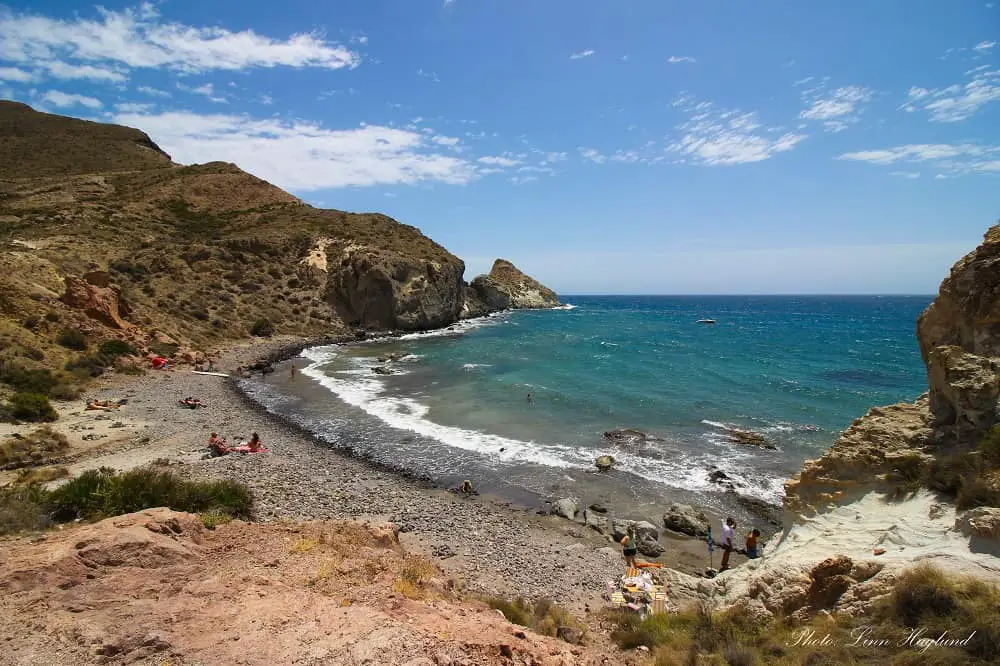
column 102, row 233
column 504, row 288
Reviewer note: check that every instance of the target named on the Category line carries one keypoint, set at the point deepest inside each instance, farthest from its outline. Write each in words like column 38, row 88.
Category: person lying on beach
column 106, row 405
column 193, row 403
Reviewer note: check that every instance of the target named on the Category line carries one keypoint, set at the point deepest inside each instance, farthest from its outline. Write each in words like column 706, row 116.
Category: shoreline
column 495, row 546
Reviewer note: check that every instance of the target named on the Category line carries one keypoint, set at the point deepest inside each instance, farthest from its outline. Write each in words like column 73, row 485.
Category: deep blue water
column 796, row 369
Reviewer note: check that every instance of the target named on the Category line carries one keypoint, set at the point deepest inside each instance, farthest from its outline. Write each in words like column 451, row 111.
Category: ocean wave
column 408, row 414
column 459, row 328
column 564, row 306
column 473, row 366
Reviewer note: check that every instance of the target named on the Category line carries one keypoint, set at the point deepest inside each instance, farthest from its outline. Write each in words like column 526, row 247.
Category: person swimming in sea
column 531, row 398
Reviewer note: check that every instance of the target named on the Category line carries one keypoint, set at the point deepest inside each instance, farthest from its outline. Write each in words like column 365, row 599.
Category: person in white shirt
column 728, row 538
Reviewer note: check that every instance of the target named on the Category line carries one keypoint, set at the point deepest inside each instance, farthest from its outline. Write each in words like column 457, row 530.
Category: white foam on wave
column 716, row 424
column 459, row 328
column 564, row 306
column 473, row 366
column 367, row 393
column 359, row 387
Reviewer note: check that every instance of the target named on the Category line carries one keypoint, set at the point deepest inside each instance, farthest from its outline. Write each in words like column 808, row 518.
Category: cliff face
column 959, row 337
column 504, row 288
column 197, row 254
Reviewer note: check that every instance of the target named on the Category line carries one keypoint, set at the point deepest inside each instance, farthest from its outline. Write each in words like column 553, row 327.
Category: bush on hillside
column 262, row 328
column 22, row 508
column 73, row 339
column 114, row 348
column 96, row 494
column 32, row 407
column 28, row 381
column 544, row 616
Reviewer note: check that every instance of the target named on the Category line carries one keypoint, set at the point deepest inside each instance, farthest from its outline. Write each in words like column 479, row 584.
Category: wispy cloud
column 499, row 161
column 133, row 107
column 16, row 75
column 304, row 156
column 592, row 155
column 912, row 175
column 64, row 100
column 673, row 60
column 428, row 75
column 950, row 158
column 152, row 92
column 984, row 46
column 720, row 137
column 582, row 54
column 207, row 89
column 61, row 70
column 956, row 102
column 836, row 109
column 138, row 38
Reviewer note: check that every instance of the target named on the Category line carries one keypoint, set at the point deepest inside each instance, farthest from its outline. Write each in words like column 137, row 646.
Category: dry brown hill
column 101, row 233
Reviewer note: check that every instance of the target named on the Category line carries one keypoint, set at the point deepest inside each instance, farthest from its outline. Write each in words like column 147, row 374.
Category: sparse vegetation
column 924, row 600
column 544, row 617
column 33, row 449
column 213, row 519
column 31, row 475
column 115, row 348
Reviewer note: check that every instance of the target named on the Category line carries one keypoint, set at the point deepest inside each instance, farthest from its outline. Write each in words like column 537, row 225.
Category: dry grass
column 302, row 546
column 40, row 475
column 34, row 448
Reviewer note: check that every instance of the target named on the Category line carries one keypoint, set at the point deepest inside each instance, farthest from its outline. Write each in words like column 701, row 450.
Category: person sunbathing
column 217, row 446
column 193, row 403
column 254, row 444
column 106, row 405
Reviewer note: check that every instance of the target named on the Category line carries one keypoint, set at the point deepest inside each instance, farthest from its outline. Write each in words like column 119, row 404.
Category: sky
column 638, row 146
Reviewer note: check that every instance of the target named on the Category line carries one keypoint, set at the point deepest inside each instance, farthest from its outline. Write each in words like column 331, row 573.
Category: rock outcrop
column 504, row 288
column 959, row 338
column 95, row 296
column 379, row 289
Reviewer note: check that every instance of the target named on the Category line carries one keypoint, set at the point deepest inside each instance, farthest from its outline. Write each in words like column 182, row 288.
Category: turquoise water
column 796, row 369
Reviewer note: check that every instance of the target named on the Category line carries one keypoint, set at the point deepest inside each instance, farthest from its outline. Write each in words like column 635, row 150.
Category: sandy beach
column 489, row 544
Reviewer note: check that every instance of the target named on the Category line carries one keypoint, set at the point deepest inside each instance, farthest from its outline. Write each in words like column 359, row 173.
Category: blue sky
column 605, row 147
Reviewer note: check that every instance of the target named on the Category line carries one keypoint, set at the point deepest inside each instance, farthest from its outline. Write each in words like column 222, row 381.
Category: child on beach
column 254, row 443
column 629, row 547
column 752, row 538
column 728, row 536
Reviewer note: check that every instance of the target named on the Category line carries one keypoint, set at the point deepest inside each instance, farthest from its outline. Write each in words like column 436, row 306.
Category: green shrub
column 115, row 348
column 164, row 349
column 88, row 366
column 71, row 338
column 100, row 493
column 989, row 448
column 31, row 407
column 262, row 328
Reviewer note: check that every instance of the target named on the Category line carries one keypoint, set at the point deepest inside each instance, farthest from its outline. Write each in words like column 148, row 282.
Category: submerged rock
column 748, row 438
column 604, row 463
column 627, row 437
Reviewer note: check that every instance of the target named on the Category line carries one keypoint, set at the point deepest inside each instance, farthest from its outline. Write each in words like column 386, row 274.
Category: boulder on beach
column 604, row 463
column 565, row 507
column 595, row 521
column 685, row 519
column 650, row 547
column 643, row 529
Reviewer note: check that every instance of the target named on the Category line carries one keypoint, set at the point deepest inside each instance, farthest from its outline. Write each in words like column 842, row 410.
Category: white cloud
column 133, row 107
column 16, row 75
column 61, row 99
column 446, row 140
column 950, row 158
column 673, row 60
column 428, row 75
column 207, row 89
column 497, row 161
column 61, row 70
column 719, row 137
column 582, row 54
column 838, row 108
column 153, row 92
column 984, row 46
column 957, row 102
column 802, row 82
column 138, row 38
column 592, row 155
column 906, row 174
column 304, row 156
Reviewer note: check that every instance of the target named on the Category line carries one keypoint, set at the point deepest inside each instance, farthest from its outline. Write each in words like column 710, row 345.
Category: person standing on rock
column 728, row 536
column 752, row 537
column 629, row 546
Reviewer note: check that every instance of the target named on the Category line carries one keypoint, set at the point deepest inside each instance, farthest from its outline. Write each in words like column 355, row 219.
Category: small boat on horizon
column 705, row 321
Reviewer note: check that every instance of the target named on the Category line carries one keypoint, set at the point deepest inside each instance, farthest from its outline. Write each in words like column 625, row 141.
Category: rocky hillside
column 157, row 587
column 102, row 233
column 506, row 287
column 943, row 440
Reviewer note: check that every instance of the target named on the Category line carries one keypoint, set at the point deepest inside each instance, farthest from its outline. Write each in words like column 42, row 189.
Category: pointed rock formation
column 506, row 288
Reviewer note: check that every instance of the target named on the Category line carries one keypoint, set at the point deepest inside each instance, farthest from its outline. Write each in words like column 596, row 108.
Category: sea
column 519, row 402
